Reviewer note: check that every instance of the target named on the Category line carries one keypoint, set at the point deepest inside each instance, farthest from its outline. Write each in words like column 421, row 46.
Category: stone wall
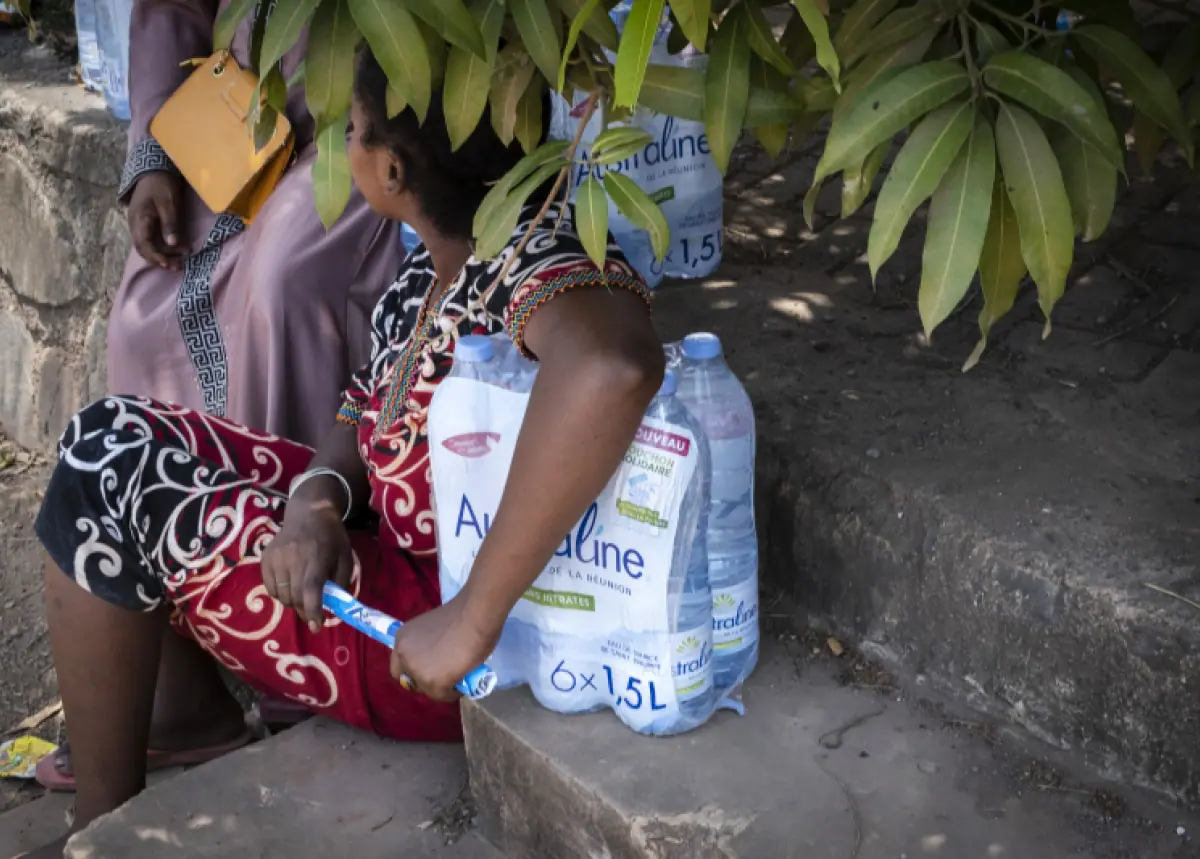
column 63, row 241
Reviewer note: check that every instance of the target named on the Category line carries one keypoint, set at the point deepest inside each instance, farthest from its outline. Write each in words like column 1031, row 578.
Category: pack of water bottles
column 675, row 168
column 102, row 27
column 623, row 617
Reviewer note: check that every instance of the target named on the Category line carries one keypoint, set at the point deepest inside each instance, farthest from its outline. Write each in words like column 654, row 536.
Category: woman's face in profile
column 376, row 173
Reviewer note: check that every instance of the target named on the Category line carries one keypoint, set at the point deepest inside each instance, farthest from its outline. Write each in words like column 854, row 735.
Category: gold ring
column 407, row 684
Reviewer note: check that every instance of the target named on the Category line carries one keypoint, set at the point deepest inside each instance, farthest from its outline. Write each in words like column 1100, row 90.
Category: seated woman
column 157, row 513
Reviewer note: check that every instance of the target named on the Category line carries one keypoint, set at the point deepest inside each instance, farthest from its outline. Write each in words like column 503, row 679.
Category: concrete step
column 815, row 770
column 34, row 824
column 319, row 789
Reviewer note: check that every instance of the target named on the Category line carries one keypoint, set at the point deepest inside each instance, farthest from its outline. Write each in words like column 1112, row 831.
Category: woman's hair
column 449, row 185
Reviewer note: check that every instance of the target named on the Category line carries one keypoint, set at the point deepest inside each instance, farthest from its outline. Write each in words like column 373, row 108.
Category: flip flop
column 48, row 776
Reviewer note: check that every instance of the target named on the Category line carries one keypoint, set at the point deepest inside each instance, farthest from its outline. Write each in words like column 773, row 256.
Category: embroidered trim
column 350, row 413
column 198, row 317
column 539, row 293
column 147, row 156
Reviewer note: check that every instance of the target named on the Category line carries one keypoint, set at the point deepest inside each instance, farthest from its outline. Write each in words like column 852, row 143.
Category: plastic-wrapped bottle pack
column 621, row 618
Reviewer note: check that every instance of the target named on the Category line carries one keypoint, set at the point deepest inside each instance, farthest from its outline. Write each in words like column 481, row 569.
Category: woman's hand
column 438, row 649
column 154, row 211
column 311, row 548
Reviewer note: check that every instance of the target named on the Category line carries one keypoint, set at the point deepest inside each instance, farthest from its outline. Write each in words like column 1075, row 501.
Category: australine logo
column 472, row 445
column 667, row 147
column 730, row 616
column 724, row 601
column 692, row 668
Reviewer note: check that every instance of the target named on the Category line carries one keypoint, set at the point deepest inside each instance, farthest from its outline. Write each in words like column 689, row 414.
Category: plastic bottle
column 689, row 593
column 715, row 397
column 91, row 70
column 408, row 238
column 112, row 31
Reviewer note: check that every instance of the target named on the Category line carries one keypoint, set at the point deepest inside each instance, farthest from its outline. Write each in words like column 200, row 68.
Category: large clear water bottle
column 689, row 594
column 112, row 31
column 91, row 69
column 474, row 358
column 718, row 401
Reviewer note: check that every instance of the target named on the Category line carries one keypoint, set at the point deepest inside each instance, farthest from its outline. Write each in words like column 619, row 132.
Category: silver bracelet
column 301, row 479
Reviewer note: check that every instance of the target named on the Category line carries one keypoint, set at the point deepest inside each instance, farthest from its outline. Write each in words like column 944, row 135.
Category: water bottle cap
column 702, row 346
column 670, row 384
column 473, row 348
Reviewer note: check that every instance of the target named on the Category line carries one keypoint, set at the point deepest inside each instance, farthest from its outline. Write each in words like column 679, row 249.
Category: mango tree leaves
column 727, row 87
column 392, row 33
column 284, row 27
column 693, row 17
column 514, row 70
column 858, row 181
column 891, row 107
column 535, row 22
column 644, row 213
column 1148, row 86
column 758, row 33
column 674, row 91
column 916, row 173
column 1091, row 183
column 331, row 171
column 614, row 145
column 227, row 23
column 498, row 230
column 548, row 154
column 988, row 41
column 901, row 26
column 958, row 221
column 329, row 60
column 591, row 220
column 1148, row 139
column 881, row 66
column 1035, row 187
column 1001, row 268
column 437, row 48
column 465, row 92
column 528, row 125
column 814, row 20
column 577, row 25
column 772, row 136
column 633, row 56
column 451, row 20
column 860, row 20
column 1055, row 95
column 594, row 22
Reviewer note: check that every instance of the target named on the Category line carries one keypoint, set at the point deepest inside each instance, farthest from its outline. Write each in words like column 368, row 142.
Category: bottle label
column 692, row 656
column 735, row 617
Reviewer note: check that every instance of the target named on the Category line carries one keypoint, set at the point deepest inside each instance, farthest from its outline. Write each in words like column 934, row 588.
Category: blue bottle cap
column 702, row 346
column 473, row 348
column 670, row 384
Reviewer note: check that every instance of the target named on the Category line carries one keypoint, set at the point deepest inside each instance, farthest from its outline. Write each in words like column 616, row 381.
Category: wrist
column 484, row 613
column 322, row 490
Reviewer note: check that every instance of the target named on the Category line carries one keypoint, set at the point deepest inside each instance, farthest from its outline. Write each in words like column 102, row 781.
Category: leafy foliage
column 1006, row 122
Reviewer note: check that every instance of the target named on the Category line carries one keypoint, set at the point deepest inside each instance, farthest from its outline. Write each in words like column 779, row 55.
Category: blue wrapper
column 379, row 626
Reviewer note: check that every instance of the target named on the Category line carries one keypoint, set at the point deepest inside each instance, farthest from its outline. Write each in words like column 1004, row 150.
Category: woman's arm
column 313, row 547
column 601, row 364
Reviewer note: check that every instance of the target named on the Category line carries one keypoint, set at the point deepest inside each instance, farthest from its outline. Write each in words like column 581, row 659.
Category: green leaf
column 535, row 23
column 916, row 173
column 797, row 42
column 958, row 222
column 616, row 144
column 331, row 171
column 329, row 61
column 548, row 154
column 1055, row 95
column 644, row 213
column 577, row 25
column 265, row 122
column 900, row 27
column 633, row 56
column 893, row 106
column 1148, row 86
column 860, row 20
column 1148, row 139
column 770, row 107
column 1035, row 187
column 451, row 20
column 284, row 27
column 529, row 127
column 396, row 103
column 773, row 136
column 988, row 41
column 437, row 48
column 762, row 41
column 858, row 180
column 1091, row 183
column 498, row 230
column 693, row 16
column 880, row 67
column 228, row 21
column 591, row 220
column 276, row 90
column 392, row 33
column 674, row 91
column 466, row 87
column 596, row 23
column 299, row 75
column 514, row 70
column 1001, row 267
column 727, row 87
column 815, row 21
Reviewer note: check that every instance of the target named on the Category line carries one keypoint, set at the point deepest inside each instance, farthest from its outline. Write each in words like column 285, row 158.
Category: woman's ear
column 394, row 180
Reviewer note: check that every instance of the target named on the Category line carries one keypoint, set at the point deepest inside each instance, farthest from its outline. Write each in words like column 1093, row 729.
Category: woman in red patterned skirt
column 161, row 514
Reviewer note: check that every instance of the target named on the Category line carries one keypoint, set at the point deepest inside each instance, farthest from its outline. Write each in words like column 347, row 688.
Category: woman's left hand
column 438, row 649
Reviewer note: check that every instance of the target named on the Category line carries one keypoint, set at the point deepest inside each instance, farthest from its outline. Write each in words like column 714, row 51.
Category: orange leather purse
column 204, row 128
